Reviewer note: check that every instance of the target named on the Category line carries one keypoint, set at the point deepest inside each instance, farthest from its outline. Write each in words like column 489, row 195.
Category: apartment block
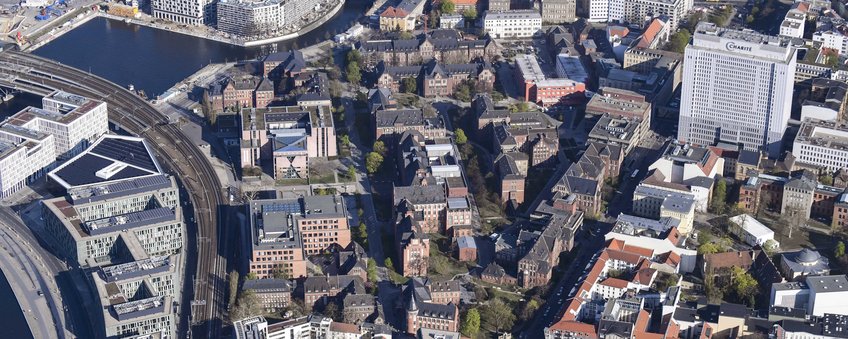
column 250, row 18
column 512, row 24
column 446, row 46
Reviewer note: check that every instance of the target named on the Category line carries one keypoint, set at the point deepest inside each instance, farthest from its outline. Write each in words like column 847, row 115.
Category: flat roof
column 110, row 159
column 752, row 226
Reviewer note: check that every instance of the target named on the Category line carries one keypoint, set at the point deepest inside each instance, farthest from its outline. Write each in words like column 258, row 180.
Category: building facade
column 716, row 106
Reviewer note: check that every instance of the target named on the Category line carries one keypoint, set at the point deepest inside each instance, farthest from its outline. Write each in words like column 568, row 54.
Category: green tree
column 252, row 276
column 345, row 140
column 362, row 233
column 749, row 19
column 353, row 73
column 351, row 172
column 233, row 278
column 372, row 270
column 373, row 161
column 497, row 316
column 462, row 92
column 447, row 7
column 354, row 56
column 409, row 85
column 709, row 248
column 404, row 35
column 380, row 148
column 280, row 273
column 826, row 179
column 521, row 106
column 839, row 251
column 461, row 138
column 678, row 41
column 744, row 285
column 469, row 14
column 471, row 323
column 719, row 201
column 388, row 263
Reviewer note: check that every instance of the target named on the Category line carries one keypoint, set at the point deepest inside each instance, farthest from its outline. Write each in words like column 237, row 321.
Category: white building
column 751, row 230
column 512, row 24
column 832, row 39
column 187, row 12
column 793, row 24
column 816, row 294
column 25, row 156
column 249, row 18
column 451, row 21
column 251, row 328
column 31, row 140
column 682, row 162
column 822, row 143
column 636, row 11
column 737, row 88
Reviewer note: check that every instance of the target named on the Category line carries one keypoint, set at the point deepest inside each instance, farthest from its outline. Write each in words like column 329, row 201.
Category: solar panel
column 290, row 207
column 131, row 152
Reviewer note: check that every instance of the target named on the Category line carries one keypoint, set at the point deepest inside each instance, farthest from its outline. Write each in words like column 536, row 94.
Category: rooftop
column 827, row 283
column 110, row 159
column 826, row 134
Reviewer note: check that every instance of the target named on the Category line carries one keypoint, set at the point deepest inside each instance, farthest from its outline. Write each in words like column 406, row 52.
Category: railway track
column 205, row 276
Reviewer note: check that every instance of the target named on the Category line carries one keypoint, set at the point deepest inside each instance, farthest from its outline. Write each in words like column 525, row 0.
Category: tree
column 709, row 248
column 744, row 285
column 521, row 106
column 362, row 234
column 280, row 273
column 678, row 41
column 353, row 73
column 471, row 324
column 469, row 14
column 388, row 263
column 409, row 85
column 332, row 310
column 718, row 203
column 247, row 305
column 826, row 179
column 345, row 140
column 351, row 172
column 529, row 308
column 447, row 7
column 462, row 92
column 749, row 19
column 498, row 316
column 233, row 278
column 252, row 276
column 354, row 56
column 380, row 147
column 839, row 251
column 461, row 139
column 372, row 270
column 373, row 161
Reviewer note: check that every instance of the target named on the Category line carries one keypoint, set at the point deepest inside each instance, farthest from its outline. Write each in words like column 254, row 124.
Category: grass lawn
column 291, row 182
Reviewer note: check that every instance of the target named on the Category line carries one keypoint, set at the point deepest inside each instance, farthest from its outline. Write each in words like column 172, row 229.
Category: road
column 205, row 265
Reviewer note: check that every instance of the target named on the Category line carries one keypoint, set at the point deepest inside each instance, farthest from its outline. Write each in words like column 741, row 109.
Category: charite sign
column 732, row 46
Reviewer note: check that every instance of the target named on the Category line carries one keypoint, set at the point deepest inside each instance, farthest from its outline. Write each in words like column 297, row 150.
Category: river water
column 152, row 60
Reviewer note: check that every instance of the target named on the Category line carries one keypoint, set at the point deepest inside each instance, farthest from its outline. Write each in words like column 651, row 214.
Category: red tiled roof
column 640, row 328
column 650, row 33
column 673, row 236
column 392, row 12
column 574, row 327
column 627, row 257
column 615, row 244
column 645, row 252
column 614, row 282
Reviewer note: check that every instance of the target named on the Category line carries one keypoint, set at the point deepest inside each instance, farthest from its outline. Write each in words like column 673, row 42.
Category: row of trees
column 353, row 72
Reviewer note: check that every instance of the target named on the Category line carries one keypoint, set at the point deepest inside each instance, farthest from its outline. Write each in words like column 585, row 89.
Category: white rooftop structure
column 751, row 230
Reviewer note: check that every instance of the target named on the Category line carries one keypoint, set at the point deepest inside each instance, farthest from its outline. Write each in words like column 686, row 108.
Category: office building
column 186, row 12
column 512, row 24
column 136, row 297
column 737, row 88
column 822, row 143
column 544, row 91
column 32, row 139
column 250, row 18
column 793, row 24
column 284, row 232
column 819, row 295
column 827, row 100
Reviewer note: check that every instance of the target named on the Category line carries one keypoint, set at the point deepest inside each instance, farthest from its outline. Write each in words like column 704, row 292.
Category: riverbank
column 82, row 15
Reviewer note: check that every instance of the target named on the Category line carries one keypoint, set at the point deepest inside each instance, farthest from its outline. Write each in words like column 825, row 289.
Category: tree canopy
column 447, row 7
column 471, row 323
column 461, row 138
column 373, row 161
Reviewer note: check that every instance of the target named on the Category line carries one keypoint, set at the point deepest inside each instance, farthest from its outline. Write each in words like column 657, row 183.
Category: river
column 153, row 60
